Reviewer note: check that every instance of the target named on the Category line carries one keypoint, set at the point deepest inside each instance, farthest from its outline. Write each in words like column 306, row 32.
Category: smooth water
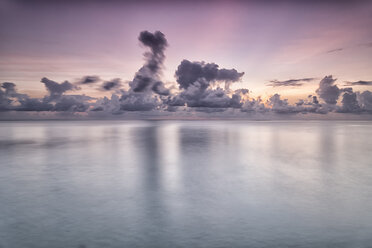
column 185, row 184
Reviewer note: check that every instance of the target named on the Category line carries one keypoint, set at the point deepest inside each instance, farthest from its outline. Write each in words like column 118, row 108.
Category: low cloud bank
column 200, row 87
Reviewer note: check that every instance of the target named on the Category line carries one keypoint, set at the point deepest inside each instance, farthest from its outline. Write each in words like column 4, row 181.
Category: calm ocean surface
column 185, row 184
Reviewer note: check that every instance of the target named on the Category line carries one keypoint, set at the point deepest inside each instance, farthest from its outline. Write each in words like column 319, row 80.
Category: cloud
column 147, row 79
column 349, row 102
column 335, row 50
column 57, row 89
column 141, row 83
column 310, row 105
column 362, row 83
column 290, row 82
column 195, row 96
column 365, row 100
column 157, row 43
column 314, row 99
column 9, row 88
column 146, row 88
column 11, row 91
column 11, row 100
column 195, row 81
column 73, row 103
column 34, row 104
column 5, row 101
column 327, row 91
column 254, row 106
column 368, row 44
column 190, row 72
column 352, row 102
column 59, row 101
column 99, row 108
column 131, row 101
column 112, row 84
column 111, row 106
column 229, row 75
column 89, row 80
column 160, row 89
column 279, row 105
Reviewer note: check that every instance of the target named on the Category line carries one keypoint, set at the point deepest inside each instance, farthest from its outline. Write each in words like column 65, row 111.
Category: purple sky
column 267, row 40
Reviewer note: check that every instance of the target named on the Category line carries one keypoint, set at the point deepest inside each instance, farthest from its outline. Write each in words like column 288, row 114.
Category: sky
column 282, row 48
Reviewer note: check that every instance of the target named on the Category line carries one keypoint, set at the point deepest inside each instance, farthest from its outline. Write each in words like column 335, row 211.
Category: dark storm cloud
column 362, row 83
column 112, row 84
column 189, row 72
column 89, row 80
column 290, row 82
column 328, row 91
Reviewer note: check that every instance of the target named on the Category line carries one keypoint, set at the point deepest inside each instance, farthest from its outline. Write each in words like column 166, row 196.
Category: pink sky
column 267, row 40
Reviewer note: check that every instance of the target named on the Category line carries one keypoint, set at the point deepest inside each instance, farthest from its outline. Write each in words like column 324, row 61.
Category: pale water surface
column 185, row 184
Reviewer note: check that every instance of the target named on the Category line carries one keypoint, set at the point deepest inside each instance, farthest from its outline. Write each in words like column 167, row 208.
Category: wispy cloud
column 361, row 82
column 290, row 82
column 340, row 49
column 335, row 50
column 368, row 44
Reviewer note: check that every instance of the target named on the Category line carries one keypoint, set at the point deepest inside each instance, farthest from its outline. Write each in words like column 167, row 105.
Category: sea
column 202, row 183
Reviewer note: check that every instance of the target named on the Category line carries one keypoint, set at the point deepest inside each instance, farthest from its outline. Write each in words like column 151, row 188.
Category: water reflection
column 185, row 184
